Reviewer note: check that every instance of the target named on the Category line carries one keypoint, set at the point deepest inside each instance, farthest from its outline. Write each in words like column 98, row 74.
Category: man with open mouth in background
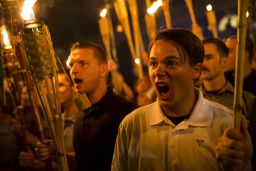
column 96, row 130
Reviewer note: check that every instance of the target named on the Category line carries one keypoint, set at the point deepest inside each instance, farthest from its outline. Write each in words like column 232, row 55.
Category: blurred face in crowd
column 66, row 91
column 143, row 85
column 231, row 44
column 86, row 71
column 213, row 64
column 171, row 75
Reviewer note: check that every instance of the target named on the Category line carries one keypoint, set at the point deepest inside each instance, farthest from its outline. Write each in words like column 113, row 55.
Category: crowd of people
column 178, row 117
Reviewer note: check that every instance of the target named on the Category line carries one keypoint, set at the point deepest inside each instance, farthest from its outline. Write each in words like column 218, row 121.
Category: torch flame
column 137, row 61
column 151, row 10
column 209, row 7
column 7, row 44
column 27, row 11
column 103, row 13
column 247, row 14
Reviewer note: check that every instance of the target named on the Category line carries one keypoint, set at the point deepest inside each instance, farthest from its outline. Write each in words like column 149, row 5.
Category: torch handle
column 167, row 14
column 191, row 11
column 32, row 97
column 241, row 37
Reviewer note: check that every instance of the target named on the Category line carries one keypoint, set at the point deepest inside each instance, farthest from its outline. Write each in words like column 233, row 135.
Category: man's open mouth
column 162, row 88
column 77, row 80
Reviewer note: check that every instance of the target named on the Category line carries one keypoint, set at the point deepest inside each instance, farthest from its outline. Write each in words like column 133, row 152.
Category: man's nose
column 160, row 70
column 204, row 62
column 74, row 69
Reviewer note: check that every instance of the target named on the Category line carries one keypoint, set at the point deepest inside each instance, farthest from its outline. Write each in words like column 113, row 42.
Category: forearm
column 31, row 139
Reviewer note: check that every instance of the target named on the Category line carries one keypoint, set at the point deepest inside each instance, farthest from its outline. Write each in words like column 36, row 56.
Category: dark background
column 76, row 20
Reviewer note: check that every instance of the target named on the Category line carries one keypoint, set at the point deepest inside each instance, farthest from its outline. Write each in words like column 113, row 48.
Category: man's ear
column 104, row 70
column 224, row 62
column 197, row 70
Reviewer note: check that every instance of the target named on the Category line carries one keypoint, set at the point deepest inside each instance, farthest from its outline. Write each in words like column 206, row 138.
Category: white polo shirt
column 148, row 141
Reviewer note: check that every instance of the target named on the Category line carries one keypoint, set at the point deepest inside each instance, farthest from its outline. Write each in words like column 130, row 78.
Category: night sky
column 76, row 20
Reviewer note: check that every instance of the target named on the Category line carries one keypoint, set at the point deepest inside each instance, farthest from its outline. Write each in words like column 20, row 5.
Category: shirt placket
column 173, row 146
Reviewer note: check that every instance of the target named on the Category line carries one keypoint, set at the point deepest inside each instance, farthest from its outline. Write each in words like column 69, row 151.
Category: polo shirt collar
column 228, row 87
column 157, row 115
column 201, row 115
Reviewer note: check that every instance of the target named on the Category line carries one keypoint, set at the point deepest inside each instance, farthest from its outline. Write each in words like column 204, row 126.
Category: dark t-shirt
column 95, row 132
column 177, row 120
column 249, row 83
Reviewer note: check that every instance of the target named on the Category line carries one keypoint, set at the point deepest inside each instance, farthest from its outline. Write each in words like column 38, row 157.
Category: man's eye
column 207, row 57
column 152, row 63
column 171, row 63
column 82, row 63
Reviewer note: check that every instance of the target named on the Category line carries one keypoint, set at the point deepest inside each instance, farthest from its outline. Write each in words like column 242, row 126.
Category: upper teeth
column 161, row 84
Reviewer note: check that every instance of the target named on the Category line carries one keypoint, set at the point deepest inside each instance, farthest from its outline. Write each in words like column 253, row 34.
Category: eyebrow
column 209, row 54
column 165, row 58
column 77, row 60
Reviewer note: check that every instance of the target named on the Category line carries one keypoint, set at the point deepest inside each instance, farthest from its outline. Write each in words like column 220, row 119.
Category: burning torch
column 121, row 11
column 211, row 18
column 150, row 17
column 16, row 66
column 150, row 22
column 105, row 30
column 139, row 45
column 43, row 68
column 196, row 29
column 241, row 37
column 15, row 83
column 167, row 14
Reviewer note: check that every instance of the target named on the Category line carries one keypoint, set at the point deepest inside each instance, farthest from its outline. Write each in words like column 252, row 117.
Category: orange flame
column 27, row 11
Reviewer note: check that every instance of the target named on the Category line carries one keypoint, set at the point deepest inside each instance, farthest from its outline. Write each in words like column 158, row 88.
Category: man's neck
column 215, row 84
column 98, row 94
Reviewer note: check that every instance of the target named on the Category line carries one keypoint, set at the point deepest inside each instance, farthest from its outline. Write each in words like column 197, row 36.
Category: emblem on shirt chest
column 201, row 137
column 199, row 142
